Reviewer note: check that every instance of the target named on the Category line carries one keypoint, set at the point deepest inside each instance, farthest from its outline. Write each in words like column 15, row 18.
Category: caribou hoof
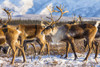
column 65, row 57
column 96, row 60
column 85, row 60
column 75, row 58
column 12, row 63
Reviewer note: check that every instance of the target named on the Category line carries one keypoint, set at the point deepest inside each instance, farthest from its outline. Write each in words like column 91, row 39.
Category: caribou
column 69, row 32
column 16, row 35
column 29, row 34
column 11, row 37
column 33, row 33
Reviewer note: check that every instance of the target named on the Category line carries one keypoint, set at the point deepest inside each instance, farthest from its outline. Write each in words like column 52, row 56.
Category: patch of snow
column 57, row 43
column 56, row 61
column 1, row 61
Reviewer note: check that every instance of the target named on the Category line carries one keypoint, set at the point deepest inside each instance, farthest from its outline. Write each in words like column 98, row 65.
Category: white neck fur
column 97, row 24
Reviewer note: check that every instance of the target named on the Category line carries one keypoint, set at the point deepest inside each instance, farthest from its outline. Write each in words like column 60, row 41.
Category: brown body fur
column 71, row 32
column 11, row 36
column 87, row 31
column 32, row 32
column 2, row 38
column 12, row 39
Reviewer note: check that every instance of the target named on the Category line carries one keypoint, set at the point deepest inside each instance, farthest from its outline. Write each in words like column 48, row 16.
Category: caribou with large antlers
column 33, row 32
column 29, row 33
column 67, row 33
column 11, row 35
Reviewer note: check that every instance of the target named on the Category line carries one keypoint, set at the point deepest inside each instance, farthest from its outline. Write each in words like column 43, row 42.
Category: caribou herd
column 17, row 36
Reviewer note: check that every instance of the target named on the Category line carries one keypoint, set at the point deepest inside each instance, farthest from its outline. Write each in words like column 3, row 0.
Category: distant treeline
column 17, row 22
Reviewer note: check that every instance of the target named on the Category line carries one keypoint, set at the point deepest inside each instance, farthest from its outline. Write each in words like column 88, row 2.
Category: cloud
column 45, row 11
column 19, row 7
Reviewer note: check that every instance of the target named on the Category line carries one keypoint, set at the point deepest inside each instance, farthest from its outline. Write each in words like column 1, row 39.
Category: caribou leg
column 97, row 51
column 14, row 53
column 73, row 47
column 34, row 49
column 38, row 41
column 21, row 38
column 48, row 48
column 90, row 47
column 67, row 49
column 22, row 50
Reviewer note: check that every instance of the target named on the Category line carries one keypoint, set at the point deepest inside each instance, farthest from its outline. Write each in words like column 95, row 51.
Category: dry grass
column 61, row 49
column 20, row 21
column 54, row 49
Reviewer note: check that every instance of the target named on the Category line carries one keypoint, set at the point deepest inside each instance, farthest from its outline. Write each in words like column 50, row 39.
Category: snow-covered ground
column 52, row 61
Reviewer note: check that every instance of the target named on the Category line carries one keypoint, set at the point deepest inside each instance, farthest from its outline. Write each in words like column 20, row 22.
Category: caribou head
column 51, row 28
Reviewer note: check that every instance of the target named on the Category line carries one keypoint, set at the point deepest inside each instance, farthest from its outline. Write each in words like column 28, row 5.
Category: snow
column 85, row 8
column 51, row 60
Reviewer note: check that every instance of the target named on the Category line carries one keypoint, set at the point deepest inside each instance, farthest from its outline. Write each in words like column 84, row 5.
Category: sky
column 85, row 8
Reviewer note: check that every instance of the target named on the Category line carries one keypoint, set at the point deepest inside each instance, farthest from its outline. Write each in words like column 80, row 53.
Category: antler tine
column 80, row 19
column 49, row 10
column 49, row 18
column 45, row 21
column 9, row 15
column 63, row 7
column 74, row 17
column 54, row 10
column 61, row 13
column 1, row 21
column 51, row 14
column 61, row 10
column 60, row 5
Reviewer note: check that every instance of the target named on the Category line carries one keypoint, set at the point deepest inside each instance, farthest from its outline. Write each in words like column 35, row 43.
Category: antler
column 61, row 10
column 1, row 21
column 9, row 15
column 80, row 19
column 75, row 19
column 51, row 11
column 45, row 21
